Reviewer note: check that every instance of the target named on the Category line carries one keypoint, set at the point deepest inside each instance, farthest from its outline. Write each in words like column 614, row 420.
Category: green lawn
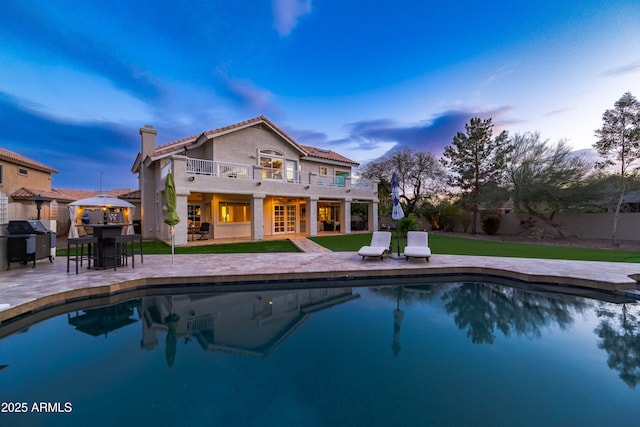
column 441, row 244
column 160, row 248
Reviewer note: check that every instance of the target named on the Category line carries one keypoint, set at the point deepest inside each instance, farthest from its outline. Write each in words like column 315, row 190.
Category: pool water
column 459, row 354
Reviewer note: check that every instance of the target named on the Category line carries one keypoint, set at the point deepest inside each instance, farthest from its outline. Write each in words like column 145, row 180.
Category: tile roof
column 25, row 161
column 183, row 143
column 69, row 195
column 326, row 154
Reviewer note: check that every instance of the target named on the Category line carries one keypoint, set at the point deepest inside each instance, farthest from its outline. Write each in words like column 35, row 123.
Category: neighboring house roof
column 131, row 195
column 27, row 193
column 19, row 159
column 67, row 195
column 185, row 143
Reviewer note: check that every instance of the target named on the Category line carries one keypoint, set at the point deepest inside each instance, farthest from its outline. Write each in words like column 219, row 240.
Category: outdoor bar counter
column 105, row 250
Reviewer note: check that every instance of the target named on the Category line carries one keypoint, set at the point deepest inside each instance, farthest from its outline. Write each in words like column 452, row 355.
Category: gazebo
column 101, row 203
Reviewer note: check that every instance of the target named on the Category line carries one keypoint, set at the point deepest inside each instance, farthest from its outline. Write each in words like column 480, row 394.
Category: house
column 243, row 324
column 251, row 180
column 26, row 193
column 22, row 180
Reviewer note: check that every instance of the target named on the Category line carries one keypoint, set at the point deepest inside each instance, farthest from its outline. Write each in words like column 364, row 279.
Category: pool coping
column 27, row 290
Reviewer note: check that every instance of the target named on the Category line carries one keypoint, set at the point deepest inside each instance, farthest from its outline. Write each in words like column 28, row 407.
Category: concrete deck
column 25, row 290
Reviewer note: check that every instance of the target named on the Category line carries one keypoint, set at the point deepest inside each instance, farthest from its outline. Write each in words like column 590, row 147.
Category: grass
column 266, row 246
column 441, row 244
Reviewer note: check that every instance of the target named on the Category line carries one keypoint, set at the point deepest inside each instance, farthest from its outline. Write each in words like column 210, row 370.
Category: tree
column 619, row 144
column 419, row 172
column 477, row 161
column 546, row 178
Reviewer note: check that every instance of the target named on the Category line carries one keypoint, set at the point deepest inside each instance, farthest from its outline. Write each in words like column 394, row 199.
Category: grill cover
column 27, row 226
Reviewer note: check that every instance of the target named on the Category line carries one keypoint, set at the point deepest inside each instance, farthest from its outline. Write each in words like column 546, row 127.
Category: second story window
column 272, row 162
column 23, row 171
column 0, row 174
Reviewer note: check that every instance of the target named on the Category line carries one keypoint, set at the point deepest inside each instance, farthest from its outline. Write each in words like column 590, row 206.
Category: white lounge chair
column 417, row 245
column 380, row 243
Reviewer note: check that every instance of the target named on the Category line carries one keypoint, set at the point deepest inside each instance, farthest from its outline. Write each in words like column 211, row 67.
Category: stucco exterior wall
column 243, row 146
column 12, row 179
column 314, row 167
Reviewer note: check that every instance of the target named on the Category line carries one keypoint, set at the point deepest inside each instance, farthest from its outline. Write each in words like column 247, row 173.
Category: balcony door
column 284, row 219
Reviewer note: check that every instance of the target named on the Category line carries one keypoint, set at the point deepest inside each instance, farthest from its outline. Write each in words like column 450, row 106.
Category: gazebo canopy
column 102, row 201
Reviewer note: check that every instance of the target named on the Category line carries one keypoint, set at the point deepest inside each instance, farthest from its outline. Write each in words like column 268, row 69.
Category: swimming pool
column 462, row 353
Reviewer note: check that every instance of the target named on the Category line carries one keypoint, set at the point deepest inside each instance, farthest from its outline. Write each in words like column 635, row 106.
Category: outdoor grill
column 29, row 240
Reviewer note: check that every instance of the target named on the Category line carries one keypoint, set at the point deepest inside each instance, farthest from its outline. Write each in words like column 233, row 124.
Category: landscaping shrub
column 409, row 223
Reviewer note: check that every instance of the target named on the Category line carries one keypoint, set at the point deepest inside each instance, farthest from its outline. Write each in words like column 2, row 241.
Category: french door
column 284, row 219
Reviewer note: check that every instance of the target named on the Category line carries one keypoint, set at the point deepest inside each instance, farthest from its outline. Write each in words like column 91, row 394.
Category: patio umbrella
column 171, row 217
column 398, row 315
column 171, row 343
column 397, row 213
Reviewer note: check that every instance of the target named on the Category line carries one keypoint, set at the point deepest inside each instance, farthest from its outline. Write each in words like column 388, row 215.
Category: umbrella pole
column 172, row 243
column 398, row 232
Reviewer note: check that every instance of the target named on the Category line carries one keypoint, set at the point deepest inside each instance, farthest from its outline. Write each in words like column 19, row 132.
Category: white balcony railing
column 273, row 174
column 332, row 181
column 363, row 184
column 233, row 170
column 208, row 167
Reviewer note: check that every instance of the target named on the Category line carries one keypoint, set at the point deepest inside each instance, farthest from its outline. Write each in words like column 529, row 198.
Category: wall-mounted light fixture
column 349, row 190
column 306, row 187
column 192, row 178
column 258, row 184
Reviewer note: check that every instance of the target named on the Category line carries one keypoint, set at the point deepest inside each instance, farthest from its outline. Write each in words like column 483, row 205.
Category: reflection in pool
column 438, row 354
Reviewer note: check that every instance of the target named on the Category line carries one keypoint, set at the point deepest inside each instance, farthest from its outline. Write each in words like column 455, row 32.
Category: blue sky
column 78, row 79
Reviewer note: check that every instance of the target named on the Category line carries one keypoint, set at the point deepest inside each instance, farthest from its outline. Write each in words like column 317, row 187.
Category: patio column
column 346, row 217
column 257, row 217
column 181, row 237
column 373, row 216
column 312, row 212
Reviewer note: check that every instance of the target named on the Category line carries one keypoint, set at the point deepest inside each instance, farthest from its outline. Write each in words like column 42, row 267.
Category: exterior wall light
column 258, row 184
column 192, row 178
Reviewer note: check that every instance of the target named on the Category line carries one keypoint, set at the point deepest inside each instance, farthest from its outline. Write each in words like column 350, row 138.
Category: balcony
column 259, row 174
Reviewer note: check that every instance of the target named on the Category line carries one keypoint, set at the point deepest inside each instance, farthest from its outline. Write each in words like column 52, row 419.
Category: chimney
column 148, row 134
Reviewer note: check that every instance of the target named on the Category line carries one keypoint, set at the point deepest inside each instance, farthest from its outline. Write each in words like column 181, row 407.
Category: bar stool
column 137, row 237
column 80, row 243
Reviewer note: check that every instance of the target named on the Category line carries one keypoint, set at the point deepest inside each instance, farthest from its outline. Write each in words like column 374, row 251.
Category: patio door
column 284, row 219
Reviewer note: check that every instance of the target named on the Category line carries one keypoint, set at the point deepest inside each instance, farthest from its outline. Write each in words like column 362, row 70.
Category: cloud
column 431, row 135
column 307, row 137
column 370, row 139
column 286, row 14
column 247, row 96
column 36, row 31
column 79, row 151
column 555, row 112
column 630, row 68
